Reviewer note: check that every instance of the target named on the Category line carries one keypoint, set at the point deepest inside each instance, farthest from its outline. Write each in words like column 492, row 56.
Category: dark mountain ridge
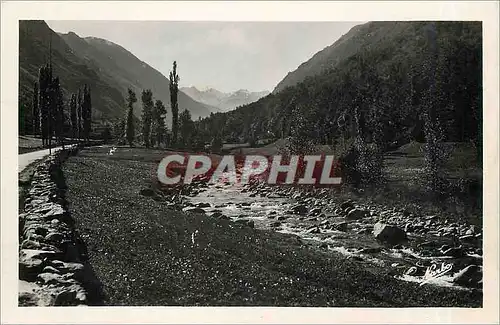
column 393, row 72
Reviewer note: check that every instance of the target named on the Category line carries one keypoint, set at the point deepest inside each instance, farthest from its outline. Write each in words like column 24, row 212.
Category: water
column 270, row 210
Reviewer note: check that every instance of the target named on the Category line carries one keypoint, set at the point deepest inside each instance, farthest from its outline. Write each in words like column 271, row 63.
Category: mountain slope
column 359, row 37
column 393, row 72
column 34, row 39
column 127, row 71
column 224, row 101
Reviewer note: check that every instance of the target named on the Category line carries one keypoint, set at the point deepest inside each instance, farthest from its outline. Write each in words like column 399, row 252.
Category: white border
column 245, row 11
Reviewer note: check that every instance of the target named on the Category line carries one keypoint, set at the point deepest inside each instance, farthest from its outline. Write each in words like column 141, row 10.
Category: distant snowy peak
column 222, row 100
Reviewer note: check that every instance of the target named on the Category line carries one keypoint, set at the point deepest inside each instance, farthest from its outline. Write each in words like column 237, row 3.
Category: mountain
column 372, row 34
column 386, row 76
column 34, row 39
column 108, row 68
column 221, row 100
column 125, row 70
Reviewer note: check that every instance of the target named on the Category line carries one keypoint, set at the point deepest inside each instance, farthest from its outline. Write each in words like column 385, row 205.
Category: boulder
column 455, row 252
column 71, row 296
column 347, row 205
column 470, row 275
column 389, row 233
column 299, row 209
column 356, row 214
column 342, row 226
column 193, row 210
column 315, row 212
column 313, row 230
column 54, row 237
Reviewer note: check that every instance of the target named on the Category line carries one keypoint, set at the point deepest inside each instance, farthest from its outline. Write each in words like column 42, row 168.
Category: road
column 27, row 158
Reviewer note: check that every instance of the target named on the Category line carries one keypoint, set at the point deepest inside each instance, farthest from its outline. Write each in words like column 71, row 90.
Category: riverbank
column 145, row 252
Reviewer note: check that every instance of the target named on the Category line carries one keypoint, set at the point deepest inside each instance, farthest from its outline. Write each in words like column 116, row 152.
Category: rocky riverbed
column 428, row 249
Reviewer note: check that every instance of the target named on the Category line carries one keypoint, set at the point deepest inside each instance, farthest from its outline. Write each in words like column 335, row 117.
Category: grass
column 143, row 252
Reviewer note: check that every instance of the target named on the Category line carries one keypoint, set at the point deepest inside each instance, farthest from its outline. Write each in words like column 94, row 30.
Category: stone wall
column 53, row 267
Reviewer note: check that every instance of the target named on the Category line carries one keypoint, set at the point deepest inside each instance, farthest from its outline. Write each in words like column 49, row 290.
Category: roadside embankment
column 53, row 268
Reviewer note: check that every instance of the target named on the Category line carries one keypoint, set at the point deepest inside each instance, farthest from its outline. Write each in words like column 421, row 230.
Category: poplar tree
column 79, row 99
column 86, row 112
column 58, row 111
column 174, row 89
column 73, row 115
column 44, row 80
column 130, row 131
column 147, row 107
column 158, row 125
column 35, row 110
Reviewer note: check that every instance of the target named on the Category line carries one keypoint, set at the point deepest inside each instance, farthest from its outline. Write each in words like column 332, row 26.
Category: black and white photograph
column 227, row 163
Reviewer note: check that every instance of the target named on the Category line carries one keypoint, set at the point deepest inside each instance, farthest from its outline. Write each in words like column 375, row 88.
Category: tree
column 174, row 89
column 186, row 126
column 217, row 143
column 434, row 152
column 79, row 102
column 158, row 125
column 106, row 133
column 86, row 109
column 59, row 116
column 119, row 129
column 147, row 107
column 130, row 131
column 44, row 80
column 73, row 115
column 35, row 111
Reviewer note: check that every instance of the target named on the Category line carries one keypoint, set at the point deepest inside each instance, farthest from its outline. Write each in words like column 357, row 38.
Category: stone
column 281, row 218
column 193, row 210
column 467, row 238
column 56, row 211
column 215, row 214
column 203, row 205
column 364, row 231
column 427, row 244
column 275, row 224
column 470, row 275
column 51, row 269
column 342, row 226
column 299, row 209
column 30, row 244
column 347, row 205
column 315, row 212
column 71, row 296
column 471, row 230
column 55, row 279
column 356, row 214
column 389, row 233
column 369, row 250
column 313, row 230
column 54, row 237
column 455, row 252
column 29, row 267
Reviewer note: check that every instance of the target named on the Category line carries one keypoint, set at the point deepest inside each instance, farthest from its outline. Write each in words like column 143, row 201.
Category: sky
column 226, row 56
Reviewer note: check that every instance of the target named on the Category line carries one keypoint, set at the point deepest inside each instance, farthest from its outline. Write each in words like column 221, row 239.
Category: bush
column 362, row 165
